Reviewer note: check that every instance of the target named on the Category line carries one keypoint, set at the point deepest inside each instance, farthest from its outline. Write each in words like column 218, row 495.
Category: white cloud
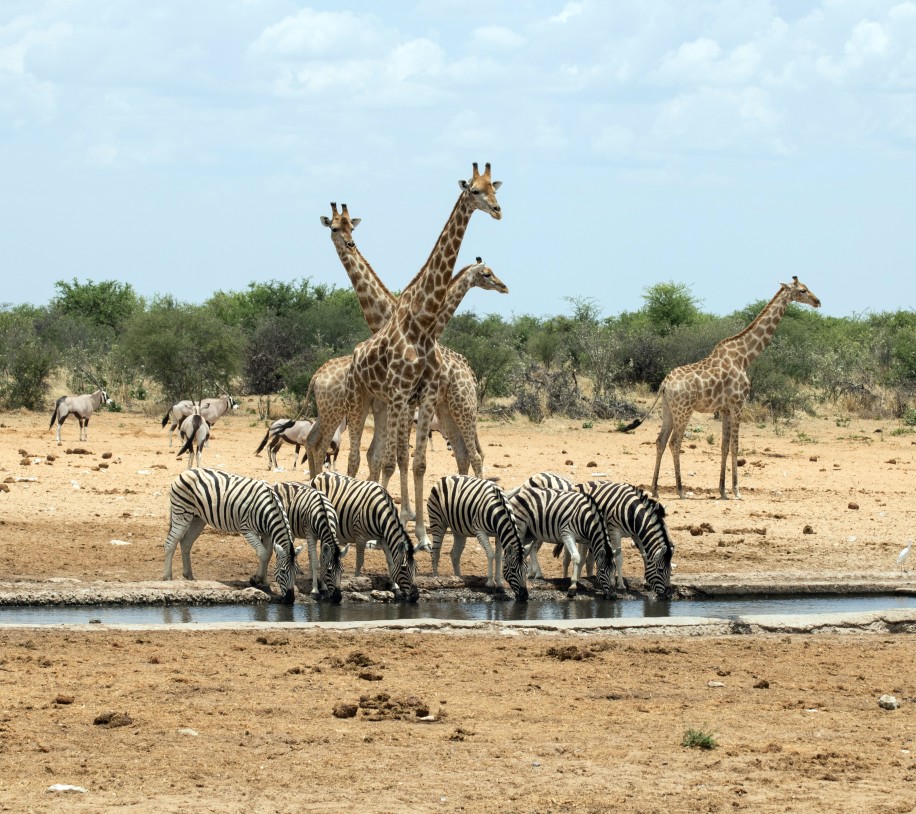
column 496, row 36
column 570, row 10
column 868, row 40
column 311, row 33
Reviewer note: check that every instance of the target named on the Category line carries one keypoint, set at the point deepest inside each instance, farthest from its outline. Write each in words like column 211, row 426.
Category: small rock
column 853, row 505
column 113, row 719
column 851, row 538
column 807, row 530
column 66, row 787
column 4, row 487
column 368, row 675
column 345, row 711
column 106, row 455
column 591, row 464
column 813, row 458
column 714, row 684
column 741, row 461
column 188, row 731
column 696, row 531
column 891, row 461
column 888, row 702
column 763, row 684
column 64, row 699
column 382, row 596
column 570, row 462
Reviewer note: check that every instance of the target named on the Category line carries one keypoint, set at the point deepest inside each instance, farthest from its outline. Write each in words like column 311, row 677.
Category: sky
column 189, row 147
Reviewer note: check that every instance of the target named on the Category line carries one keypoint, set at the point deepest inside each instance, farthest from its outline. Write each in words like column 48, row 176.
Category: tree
column 26, row 360
column 109, row 303
column 186, row 349
column 670, row 305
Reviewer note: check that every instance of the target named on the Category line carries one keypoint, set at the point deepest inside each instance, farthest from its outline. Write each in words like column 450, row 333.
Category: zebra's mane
column 394, row 513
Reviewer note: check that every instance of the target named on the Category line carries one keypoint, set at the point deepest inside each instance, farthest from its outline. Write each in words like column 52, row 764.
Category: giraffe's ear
column 463, row 185
column 355, row 222
column 497, row 184
column 326, row 221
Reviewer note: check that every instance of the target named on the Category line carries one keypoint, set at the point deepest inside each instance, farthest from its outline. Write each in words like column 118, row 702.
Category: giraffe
column 457, row 402
column 718, row 383
column 399, row 363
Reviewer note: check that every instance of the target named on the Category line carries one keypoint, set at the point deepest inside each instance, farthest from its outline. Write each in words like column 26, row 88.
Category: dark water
column 505, row 611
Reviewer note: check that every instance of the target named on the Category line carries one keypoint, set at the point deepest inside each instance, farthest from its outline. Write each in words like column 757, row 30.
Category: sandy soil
column 496, row 721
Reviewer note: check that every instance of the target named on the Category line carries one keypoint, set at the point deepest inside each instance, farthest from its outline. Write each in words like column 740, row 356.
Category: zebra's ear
column 326, row 221
column 296, row 551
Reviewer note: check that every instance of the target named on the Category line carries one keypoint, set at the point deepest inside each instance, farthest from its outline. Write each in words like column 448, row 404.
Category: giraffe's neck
column 746, row 346
column 375, row 300
column 459, row 285
column 424, row 296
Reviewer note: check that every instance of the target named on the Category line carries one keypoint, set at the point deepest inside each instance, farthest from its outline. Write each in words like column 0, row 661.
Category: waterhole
column 719, row 607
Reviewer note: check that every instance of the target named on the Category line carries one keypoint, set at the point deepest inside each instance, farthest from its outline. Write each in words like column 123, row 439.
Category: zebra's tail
column 634, row 424
column 55, row 411
column 195, row 426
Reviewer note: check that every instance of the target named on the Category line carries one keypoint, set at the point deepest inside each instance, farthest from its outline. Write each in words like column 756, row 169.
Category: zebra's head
column 330, row 568
column 285, row 569
column 515, row 564
column 656, row 539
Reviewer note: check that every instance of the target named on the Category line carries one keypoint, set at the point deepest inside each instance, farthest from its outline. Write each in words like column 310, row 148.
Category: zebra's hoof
column 288, row 597
column 571, row 593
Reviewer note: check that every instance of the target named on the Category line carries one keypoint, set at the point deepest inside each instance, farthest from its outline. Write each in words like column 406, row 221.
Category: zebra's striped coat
column 565, row 518
column 231, row 503
column 476, row 507
column 312, row 518
column 365, row 511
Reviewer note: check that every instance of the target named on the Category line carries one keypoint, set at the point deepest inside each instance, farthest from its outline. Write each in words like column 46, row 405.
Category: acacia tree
column 186, row 349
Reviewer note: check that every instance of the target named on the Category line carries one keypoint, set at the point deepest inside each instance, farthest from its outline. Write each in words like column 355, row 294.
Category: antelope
column 195, row 432
column 284, row 430
column 210, row 411
column 82, row 407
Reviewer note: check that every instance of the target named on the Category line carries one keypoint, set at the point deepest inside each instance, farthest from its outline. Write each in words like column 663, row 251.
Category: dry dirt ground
column 500, row 720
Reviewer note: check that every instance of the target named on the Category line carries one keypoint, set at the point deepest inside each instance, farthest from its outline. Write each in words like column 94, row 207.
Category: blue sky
column 185, row 147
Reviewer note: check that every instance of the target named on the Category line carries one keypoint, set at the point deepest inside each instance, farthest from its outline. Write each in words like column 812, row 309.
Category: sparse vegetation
column 698, row 739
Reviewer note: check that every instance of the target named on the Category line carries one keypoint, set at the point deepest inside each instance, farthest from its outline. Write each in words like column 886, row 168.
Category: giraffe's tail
column 634, row 424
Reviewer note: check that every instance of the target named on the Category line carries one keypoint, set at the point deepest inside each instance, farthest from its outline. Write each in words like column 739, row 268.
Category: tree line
column 269, row 339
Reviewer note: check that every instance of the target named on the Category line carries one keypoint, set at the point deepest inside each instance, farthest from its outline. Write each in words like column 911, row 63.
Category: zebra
column 627, row 512
column 231, row 503
column 210, row 409
column 82, row 407
column 478, row 507
column 284, row 430
column 195, row 432
column 365, row 511
column 565, row 517
column 312, row 517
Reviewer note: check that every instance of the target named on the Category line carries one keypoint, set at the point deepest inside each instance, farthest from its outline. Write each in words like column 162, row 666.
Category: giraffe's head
column 481, row 191
column 799, row 292
column 482, row 276
column 341, row 225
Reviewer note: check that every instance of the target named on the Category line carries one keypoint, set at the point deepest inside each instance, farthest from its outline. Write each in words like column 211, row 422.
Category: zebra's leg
column 534, row 565
column 456, row 552
column 616, row 547
column 494, row 574
column 312, row 544
column 360, row 557
column 264, row 552
column 194, row 528
column 177, row 529
column 569, row 541
column 435, row 552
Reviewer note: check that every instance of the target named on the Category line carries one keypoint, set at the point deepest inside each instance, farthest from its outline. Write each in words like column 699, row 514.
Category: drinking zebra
column 476, row 507
column 312, row 517
column 365, row 511
column 628, row 512
column 231, row 503
column 82, row 407
column 565, row 517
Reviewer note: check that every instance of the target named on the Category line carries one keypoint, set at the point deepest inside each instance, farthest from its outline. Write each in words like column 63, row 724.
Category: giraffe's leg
column 462, row 407
column 660, row 443
column 354, row 434
column 377, row 445
column 319, row 437
column 674, row 443
column 726, row 445
column 427, row 408
column 736, row 423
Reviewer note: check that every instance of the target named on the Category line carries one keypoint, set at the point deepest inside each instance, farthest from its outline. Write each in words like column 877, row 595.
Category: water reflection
column 581, row 608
